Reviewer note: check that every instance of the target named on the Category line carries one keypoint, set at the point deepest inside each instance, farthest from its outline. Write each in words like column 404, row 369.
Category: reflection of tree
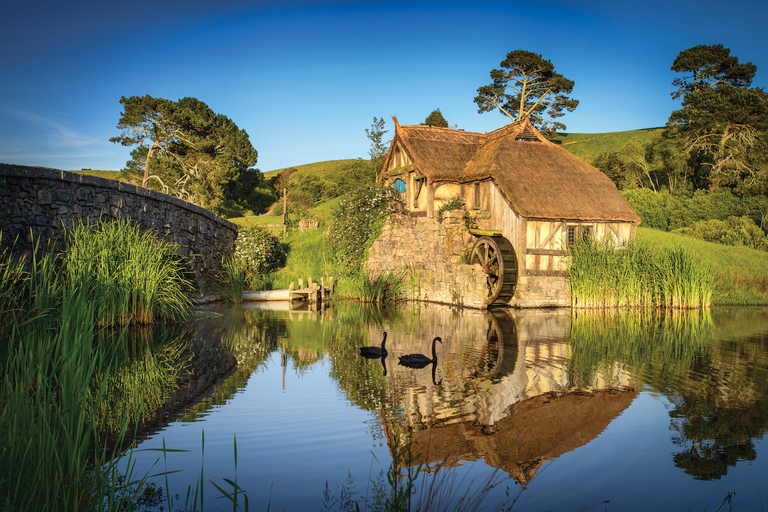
column 719, row 388
column 720, row 407
column 707, row 461
column 363, row 380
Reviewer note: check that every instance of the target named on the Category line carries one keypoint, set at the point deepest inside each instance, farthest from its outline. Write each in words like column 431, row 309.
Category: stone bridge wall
column 42, row 200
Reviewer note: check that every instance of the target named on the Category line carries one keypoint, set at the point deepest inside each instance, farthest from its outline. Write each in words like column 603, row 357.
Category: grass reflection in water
column 718, row 387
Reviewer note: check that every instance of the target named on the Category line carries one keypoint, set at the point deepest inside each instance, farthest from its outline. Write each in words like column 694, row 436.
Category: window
column 575, row 233
column 571, row 235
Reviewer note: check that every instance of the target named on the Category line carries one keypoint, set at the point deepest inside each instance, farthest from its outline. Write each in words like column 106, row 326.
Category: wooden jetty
column 312, row 293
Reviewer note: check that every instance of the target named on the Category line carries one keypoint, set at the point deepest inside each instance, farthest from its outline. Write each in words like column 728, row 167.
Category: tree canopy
column 436, row 119
column 722, row 122
column 706, row 66
column 527, row 85
column 186, row 149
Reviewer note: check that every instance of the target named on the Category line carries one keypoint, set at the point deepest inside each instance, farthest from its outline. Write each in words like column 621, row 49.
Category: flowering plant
column 358, row 220
column 259, row 251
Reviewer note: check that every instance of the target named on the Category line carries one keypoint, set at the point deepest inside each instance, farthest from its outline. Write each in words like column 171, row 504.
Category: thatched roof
column 539, row 178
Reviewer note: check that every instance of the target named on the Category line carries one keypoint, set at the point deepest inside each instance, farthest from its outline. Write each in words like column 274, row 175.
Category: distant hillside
column 112, row 175
column 587, row 146
column 326, row 166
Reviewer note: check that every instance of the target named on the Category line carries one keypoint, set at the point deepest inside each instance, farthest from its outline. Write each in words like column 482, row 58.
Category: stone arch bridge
column 40, row 200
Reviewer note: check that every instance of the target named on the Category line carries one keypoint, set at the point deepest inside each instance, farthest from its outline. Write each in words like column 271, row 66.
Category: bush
column 705, row 205
column 358, row 220
column 655, row 209
column 259, row 251
column 736, row 231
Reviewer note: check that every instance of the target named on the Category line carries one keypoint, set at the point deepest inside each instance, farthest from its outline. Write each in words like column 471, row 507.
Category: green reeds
column 685, row 282
column 382, row 288
column 47, row 458
column 55, row 376
column 602, row 276
column 137, row 276
column 233, row 279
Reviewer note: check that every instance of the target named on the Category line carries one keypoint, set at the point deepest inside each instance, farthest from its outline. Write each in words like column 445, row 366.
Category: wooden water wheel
column 497, row 256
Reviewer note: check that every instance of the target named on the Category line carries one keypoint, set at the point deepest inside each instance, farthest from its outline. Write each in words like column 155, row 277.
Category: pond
column 533, row 409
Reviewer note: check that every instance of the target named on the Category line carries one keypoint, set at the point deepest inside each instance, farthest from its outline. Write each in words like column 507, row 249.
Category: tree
column 728, row 127
column 145, row 121
column 706, row 66
column 537, row 90
column 436, row 119
column 376, row 134
column 189, row 151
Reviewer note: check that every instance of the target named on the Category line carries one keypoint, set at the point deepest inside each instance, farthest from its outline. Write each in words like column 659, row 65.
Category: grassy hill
column 112, row 175
column 328, row 166
column 587, row 146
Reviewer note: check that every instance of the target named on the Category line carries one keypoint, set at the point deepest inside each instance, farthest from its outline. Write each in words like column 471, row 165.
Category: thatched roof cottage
column 526, row 199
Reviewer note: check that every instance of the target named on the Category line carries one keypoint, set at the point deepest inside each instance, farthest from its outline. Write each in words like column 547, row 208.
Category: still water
column 550, row 409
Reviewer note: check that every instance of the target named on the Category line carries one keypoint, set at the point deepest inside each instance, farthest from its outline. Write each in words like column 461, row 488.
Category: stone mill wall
column 429, row 254
column 41, row 200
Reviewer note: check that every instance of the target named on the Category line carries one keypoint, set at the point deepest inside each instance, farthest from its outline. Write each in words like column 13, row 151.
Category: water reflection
column 713, row 370
column 501, row 389
column 512, row 388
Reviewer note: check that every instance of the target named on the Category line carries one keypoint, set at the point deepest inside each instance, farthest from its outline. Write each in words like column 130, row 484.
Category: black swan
column 374, row 352
column 420, row 360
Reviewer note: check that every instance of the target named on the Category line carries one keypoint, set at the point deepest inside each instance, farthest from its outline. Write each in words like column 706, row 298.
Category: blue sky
column 305, row 78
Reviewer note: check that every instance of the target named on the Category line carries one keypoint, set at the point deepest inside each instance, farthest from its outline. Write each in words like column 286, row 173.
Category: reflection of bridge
column 41, row 200
column 506, row 394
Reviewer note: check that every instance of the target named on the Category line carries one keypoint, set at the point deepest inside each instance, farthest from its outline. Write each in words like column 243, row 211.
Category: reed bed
column 58, row 375
column 137, row 276
column 602, row 276
column 47, row 424
column 382, row 288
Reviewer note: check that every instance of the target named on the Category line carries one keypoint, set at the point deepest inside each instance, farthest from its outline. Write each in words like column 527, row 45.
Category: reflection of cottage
column 525, row 199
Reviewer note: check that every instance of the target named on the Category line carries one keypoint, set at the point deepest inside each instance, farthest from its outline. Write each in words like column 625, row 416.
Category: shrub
column 259, row 251
column 655, row 209
column 455, row 203
column 358, row 220
column 737, row 231
column 705, row 205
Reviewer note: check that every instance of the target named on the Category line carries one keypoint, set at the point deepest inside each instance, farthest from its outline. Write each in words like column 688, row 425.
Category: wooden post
column 285, row 209
column 301, row 283
column 322, row 290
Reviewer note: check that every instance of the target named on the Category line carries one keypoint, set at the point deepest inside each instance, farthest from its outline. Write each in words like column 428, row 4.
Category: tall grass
column 137, row 277
column 382, row 288
column 602, row 276
column 741, row 273
column 47, row 424
column 232, row 279
column 57, row 380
